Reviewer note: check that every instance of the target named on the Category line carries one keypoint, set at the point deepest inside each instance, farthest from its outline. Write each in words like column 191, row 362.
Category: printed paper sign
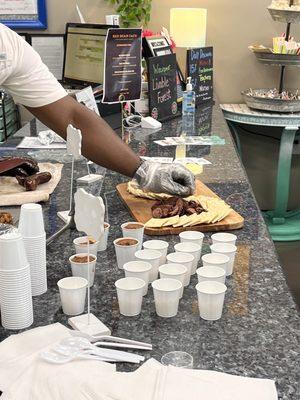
column 123, row 70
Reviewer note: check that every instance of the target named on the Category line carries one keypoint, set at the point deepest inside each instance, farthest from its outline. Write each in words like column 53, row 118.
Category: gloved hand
column 174, row 179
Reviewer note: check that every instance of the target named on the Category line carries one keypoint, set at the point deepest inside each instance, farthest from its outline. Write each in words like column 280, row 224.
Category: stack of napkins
column 24, row 376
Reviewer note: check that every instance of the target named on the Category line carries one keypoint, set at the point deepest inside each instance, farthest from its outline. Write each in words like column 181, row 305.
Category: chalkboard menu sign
column 162, row 72
column 200, row 69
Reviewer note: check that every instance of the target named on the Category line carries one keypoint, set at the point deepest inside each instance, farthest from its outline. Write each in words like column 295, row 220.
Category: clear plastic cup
column 174, row 271
column 135, row 230
column 216, row 259
column 211, row 299
column 166, row 296
column 153, row 257
column 185, row 259
column 31, row 222
column 179, row 359
column 192, row 236
column 102, row 246
column 12, row 252
column 227, row 249
column 125, row 253
column 224, row 237
column 158, row 245
column 84, row 270
column 211, row 273
column 81, row 245
column 192, row 248
column 72, row 292
column 130, row 295
column 138, row 269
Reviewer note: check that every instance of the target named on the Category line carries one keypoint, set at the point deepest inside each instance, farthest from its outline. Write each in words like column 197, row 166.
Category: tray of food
column 163, row 214
column 271, row 100
column 278, row 59
column 23, row 180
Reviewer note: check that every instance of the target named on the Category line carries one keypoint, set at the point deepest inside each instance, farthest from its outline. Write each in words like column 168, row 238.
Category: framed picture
column 154, row 46
column 158, row 45
column 23, row 14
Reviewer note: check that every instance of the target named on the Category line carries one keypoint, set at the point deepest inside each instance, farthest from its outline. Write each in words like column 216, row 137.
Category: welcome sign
column 162, row 86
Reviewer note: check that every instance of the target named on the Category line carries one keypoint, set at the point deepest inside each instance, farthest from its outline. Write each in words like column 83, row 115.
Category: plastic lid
column 189, row 86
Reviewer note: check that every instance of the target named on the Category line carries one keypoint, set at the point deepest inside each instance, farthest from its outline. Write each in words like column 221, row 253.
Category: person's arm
column 100, row 143
column 31, row 84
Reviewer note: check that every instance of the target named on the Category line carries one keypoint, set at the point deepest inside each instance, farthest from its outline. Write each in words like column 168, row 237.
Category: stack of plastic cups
column 31, row 227
column 15, row 284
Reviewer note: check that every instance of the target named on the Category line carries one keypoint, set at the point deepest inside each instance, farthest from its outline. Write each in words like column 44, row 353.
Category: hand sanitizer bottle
column 189, row 99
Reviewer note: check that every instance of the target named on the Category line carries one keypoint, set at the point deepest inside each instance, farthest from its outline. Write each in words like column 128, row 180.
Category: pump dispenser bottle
column 189, row 99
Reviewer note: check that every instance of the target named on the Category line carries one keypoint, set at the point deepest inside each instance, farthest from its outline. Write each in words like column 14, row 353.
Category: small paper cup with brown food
column 84, row 267
column 135, row 230
column 81, row 245
column 125, row 250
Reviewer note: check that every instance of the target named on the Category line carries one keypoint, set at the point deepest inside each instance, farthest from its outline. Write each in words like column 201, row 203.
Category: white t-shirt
column 23, row 74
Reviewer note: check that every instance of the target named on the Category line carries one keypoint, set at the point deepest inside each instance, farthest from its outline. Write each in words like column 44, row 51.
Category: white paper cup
column 227, row 249
column 159, row 245
column 12, row 252
column 84, row 270
column 166, row 296
column 185, row 259
column 138, row 269
column 192, row 236
column 174, row 271
column 137, row 233
column 125, row 253
column 82, row 247
column 72, row 292
column 215, row 259
column 102, row 246
column 153, row 257
column 211, row 273
column 192, row 248
column 36, row 256
column 223, row 237
column 31, row 223
column 130, row 295
column 211, row 299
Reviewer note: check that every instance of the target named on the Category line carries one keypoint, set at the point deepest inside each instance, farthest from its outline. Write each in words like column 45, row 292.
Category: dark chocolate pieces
column 30, row 183
column 175, row 206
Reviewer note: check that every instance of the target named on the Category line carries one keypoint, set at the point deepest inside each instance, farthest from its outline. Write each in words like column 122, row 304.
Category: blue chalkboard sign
column 200, row 69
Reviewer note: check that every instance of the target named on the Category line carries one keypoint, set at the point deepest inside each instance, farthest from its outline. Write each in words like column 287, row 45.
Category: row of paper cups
column 101, row 245
column 167, row 291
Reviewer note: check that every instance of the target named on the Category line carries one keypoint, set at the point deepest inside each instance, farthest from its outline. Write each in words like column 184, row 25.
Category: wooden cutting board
column 140, row 209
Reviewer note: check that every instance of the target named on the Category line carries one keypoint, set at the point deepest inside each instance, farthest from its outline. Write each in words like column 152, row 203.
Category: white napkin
column 25, row 376
column 57, row 382
column 192, row 384
column 153, row 381
column 19, row 352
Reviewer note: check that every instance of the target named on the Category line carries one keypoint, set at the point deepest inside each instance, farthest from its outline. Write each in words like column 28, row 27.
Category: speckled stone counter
column 258, row 334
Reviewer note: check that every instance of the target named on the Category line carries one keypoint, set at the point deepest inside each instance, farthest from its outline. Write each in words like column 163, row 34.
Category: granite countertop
column 258, row 335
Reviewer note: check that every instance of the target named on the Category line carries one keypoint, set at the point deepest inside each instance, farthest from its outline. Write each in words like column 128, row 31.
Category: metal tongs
column 113, row 341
